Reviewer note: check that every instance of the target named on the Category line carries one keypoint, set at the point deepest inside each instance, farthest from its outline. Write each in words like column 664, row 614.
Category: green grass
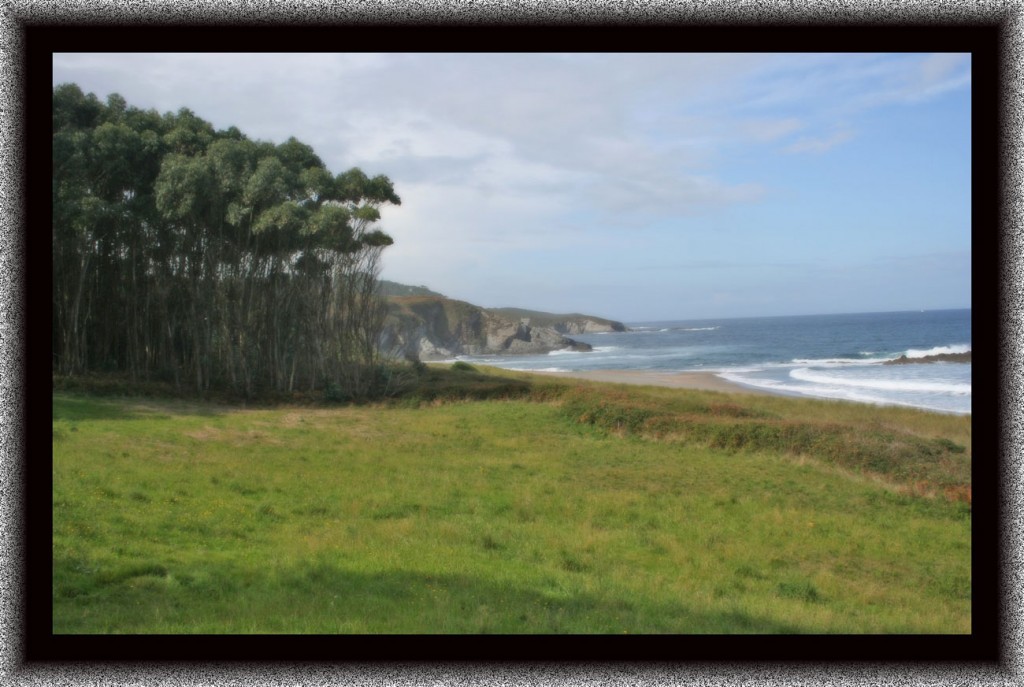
column 548, row 507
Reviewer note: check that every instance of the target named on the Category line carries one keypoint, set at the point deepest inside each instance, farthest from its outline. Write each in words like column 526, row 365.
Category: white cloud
column 820, row 144
column 905, row 80
column 942, row 66
column 937, row 74
column 651, row 195
column 768, row 130
column 409, row 134
column 439, row 223
column 529, row 158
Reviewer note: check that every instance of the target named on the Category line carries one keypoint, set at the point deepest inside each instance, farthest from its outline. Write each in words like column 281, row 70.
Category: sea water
column 824, row 356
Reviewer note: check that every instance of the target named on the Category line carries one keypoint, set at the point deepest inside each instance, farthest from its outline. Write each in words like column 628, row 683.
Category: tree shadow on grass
column 325, row 598
column 74, row 409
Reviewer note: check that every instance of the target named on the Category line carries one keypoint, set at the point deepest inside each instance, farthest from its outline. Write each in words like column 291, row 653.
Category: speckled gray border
column 14, row 15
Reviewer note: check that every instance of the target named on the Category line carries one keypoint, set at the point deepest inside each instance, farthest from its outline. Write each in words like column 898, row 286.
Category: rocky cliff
column 573, row 323
column 433, row 327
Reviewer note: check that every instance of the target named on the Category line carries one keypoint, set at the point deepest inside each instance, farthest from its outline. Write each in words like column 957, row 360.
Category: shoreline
column 703, row 381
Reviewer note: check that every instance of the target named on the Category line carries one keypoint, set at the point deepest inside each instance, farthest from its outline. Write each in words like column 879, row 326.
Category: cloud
column 905, row 79
column 820, row 144
column 768, row 130
column 439, row 223
column 938, row 74
column 650, row 195
column 407, row 133
column 514, row 162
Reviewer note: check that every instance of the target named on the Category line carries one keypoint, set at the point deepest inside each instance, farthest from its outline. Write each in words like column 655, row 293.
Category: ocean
column 823, row 356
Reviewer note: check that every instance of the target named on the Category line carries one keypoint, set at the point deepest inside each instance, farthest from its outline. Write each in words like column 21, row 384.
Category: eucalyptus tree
column 103, row 168
column 201, row 256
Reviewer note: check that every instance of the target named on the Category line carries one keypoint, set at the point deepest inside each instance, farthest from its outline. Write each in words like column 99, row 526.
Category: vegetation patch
column 926, row 465
column 666, row 511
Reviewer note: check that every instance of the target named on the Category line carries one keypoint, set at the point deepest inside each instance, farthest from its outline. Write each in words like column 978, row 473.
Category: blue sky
column 632, row 186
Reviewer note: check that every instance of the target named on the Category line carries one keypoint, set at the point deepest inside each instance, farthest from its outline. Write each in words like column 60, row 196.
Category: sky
column 637, row 187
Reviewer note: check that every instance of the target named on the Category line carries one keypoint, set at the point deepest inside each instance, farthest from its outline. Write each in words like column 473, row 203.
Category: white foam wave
column 836, row 393
column 564, row 351
column 697, row 329
column 905, row 385
column 833, row 362
column 938, row 350
column 539, row 369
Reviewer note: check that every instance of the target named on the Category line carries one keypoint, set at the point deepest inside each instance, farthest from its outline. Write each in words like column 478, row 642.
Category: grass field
column 493, row 502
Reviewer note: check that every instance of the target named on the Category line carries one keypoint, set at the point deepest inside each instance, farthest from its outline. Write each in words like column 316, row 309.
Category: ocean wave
column 938, row 350
column 837, row 393
column 803, row 374
column 539, row 369
column 834, row 362
column 696, row 329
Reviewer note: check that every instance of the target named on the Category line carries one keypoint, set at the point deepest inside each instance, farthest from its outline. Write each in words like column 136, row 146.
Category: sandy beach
column 678, row 380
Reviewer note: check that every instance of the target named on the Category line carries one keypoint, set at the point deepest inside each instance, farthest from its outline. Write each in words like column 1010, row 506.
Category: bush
column 335, row 393
column 460, row 366
column 370, row 383
column 590, row 409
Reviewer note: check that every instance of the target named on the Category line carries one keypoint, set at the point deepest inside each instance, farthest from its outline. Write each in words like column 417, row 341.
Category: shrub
column 370, row 383
column 460, row 366
column 597, row 411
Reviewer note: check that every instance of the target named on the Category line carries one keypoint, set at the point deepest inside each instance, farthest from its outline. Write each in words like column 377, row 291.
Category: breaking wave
column 938, row 350
column 909, row 385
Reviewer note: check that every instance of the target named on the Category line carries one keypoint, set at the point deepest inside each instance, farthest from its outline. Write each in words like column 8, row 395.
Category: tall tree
column 200, row 256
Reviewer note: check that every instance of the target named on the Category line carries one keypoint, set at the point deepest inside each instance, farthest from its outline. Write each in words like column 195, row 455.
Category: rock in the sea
column 938, row 358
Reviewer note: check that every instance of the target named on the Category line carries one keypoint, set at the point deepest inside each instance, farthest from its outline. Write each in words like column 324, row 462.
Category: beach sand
column 679, row 380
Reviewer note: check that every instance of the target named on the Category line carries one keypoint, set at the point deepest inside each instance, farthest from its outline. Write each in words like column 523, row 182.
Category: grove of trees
column 207, row 259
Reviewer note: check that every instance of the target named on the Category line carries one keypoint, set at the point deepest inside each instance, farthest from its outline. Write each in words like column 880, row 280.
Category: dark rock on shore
column 940, row 358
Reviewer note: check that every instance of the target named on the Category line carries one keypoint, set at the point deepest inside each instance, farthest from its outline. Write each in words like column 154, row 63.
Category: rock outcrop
column 573, row 323
column 433, row 327
column 939, row 358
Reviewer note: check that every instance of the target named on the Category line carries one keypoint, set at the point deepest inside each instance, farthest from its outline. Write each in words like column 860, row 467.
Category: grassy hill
column 488, row 501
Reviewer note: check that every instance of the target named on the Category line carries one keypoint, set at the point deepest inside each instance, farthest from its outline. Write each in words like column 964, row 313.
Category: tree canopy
column 200, row 256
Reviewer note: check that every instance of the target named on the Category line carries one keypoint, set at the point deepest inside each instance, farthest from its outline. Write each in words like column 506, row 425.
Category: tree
column 203, row 257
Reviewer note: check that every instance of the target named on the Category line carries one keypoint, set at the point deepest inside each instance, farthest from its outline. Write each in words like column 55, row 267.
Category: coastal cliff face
column 573, row 323
column 433, row 327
